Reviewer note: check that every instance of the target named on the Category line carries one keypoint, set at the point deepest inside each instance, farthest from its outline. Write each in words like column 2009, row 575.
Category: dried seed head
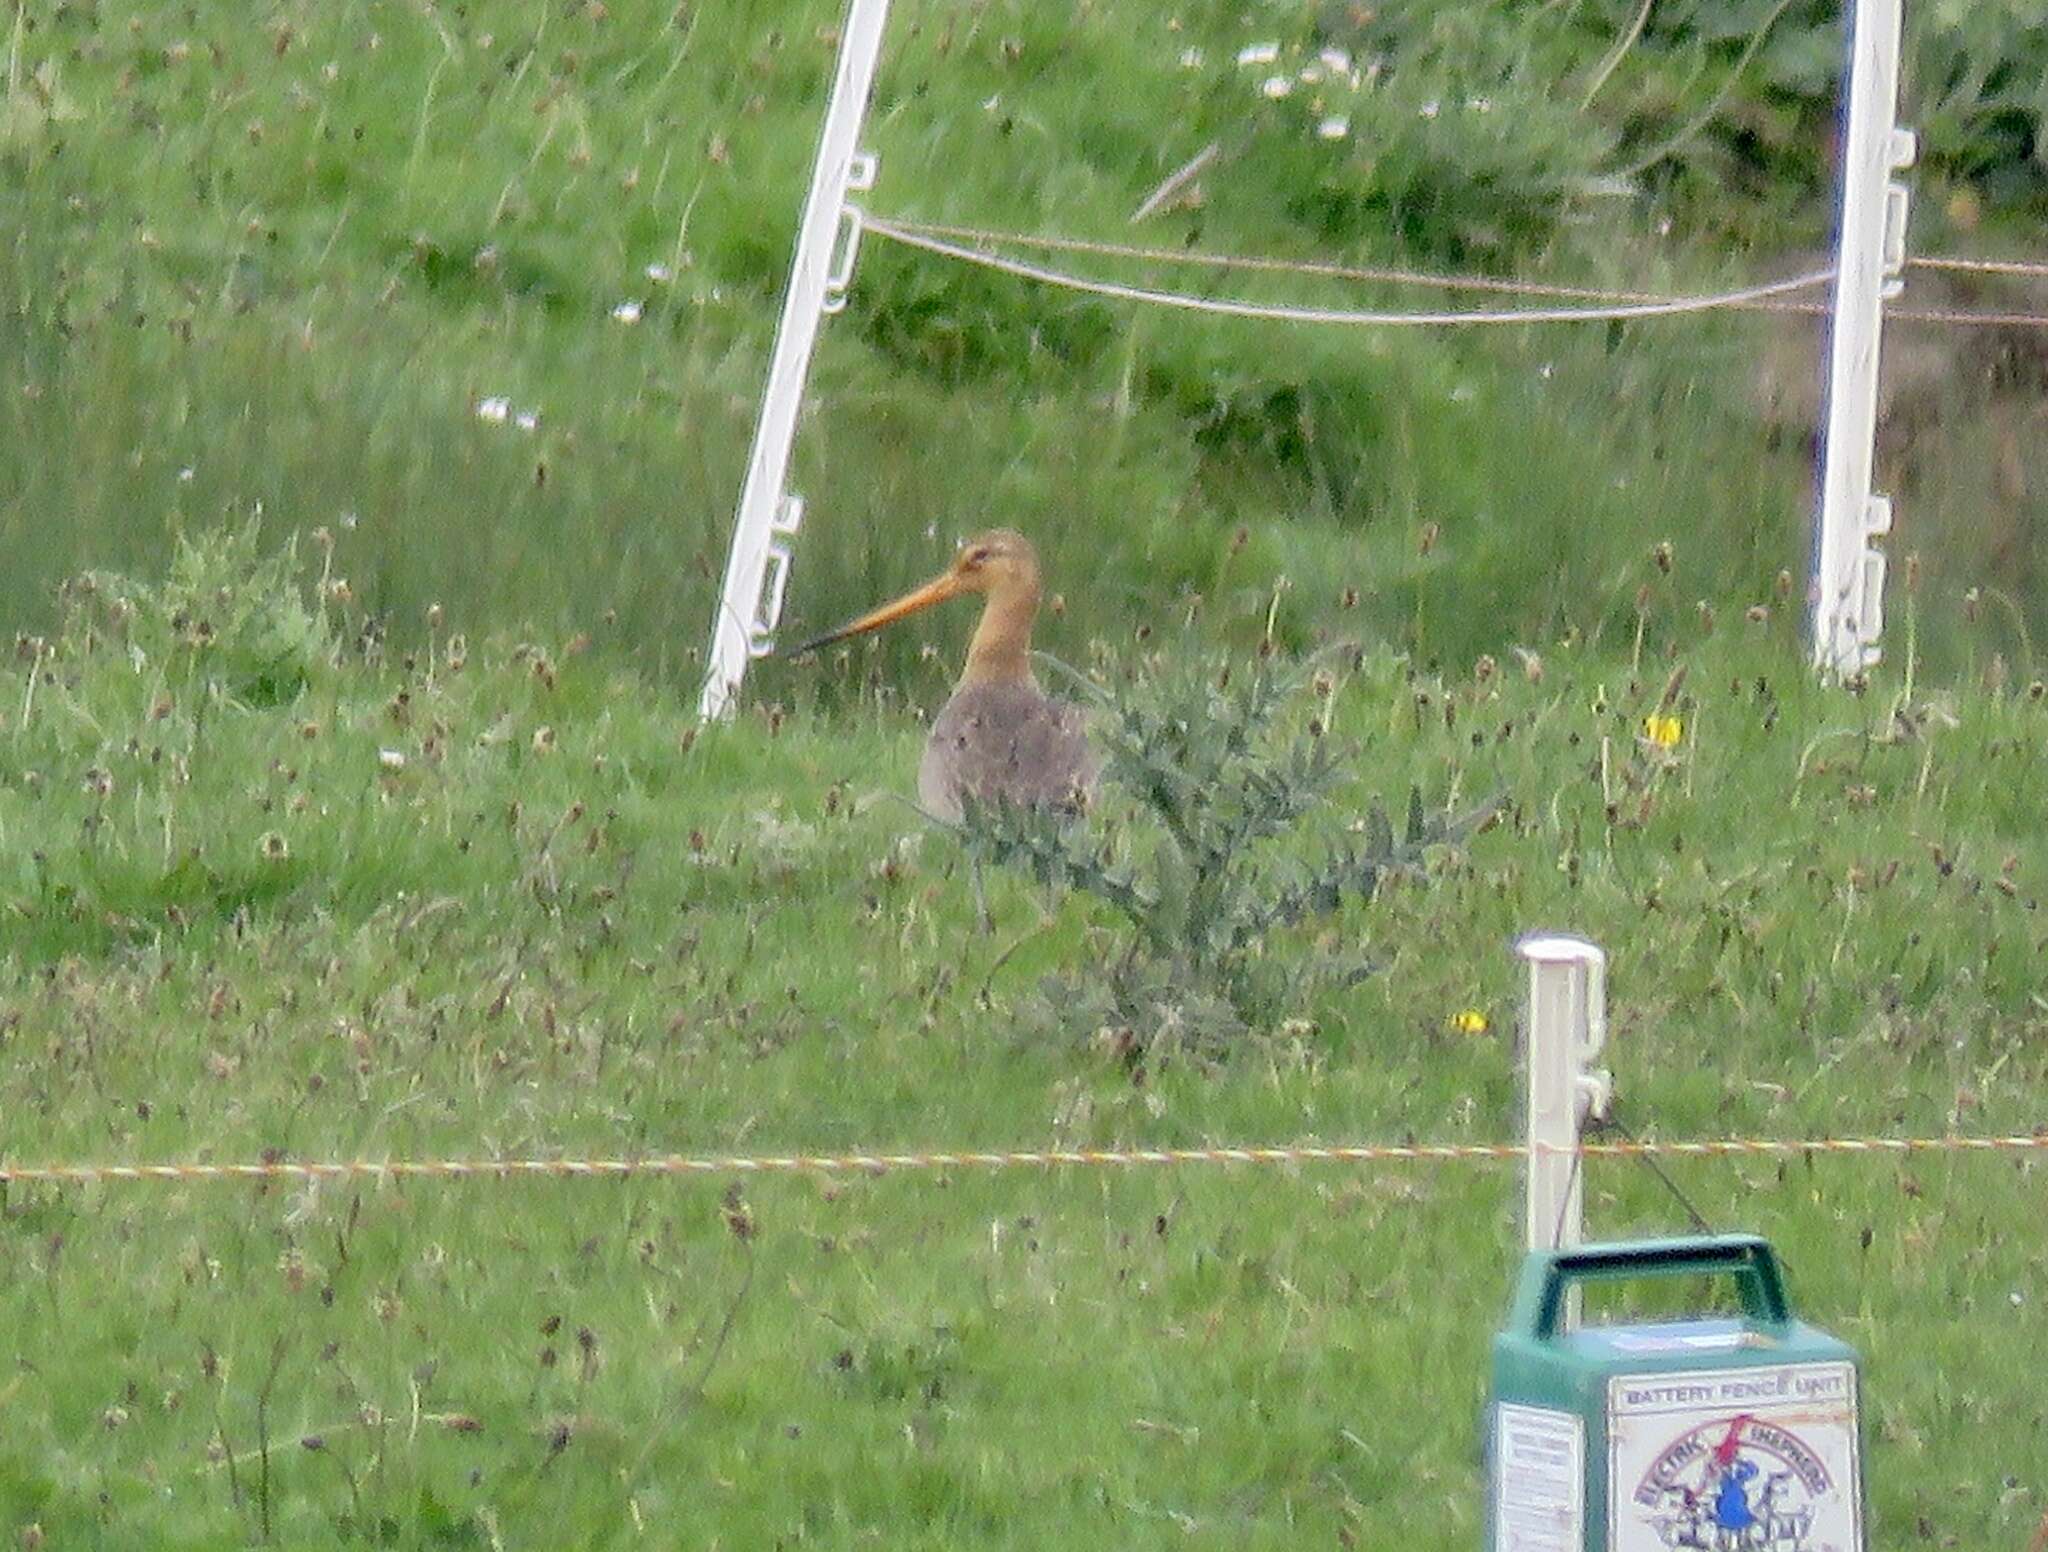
column 1662, row 556
column 1426, row 541
column 1240, row 538
column 273, row 847
column 739, row 1218
column 1913, row 572
column 1757, row 614
column 1485, row 668
column 543, row 739
column 1784, row 584
column 1706, row 612
column 1349, row 599
column 434, row 617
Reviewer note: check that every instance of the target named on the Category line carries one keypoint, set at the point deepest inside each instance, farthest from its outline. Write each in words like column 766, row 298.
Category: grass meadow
column 352, row 803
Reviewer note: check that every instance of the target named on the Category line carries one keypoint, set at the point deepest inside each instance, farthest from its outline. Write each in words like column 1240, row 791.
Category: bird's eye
column 977, row 555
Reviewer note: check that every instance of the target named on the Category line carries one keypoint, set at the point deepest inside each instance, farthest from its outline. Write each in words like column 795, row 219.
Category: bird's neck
column 1001, row 650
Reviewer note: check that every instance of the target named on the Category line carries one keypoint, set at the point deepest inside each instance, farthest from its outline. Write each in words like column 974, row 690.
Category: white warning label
column 1762, row 1459
column 1539, row 1477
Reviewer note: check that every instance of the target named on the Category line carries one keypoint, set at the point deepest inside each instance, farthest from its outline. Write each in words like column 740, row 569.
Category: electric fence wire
column 979, row 246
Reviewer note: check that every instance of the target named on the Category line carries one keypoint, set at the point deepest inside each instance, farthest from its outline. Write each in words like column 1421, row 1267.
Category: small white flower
column 527, row 420
column 1430, row 109
column 1335, row 127
column 494, row 409
column 349, row 520
column 660, row 274
column 391, row 759
column 1461, row 394
column 1277, row 86
column 626, row 312
column 1481, row 104
column 1258, row 54
column 1336, row 61
column 1191, row 59
column 1311, row 75
column 1546, row 371
column 185, row 475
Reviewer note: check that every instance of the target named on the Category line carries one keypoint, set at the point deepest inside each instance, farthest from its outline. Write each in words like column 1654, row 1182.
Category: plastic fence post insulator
column 1898, row 205
column 768, row 613
column 842, row 272
column 1872, row 610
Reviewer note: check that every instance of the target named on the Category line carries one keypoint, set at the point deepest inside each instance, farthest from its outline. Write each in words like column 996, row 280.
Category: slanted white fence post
column 1847, row 588
column 757, row 568
column 1566, row 1028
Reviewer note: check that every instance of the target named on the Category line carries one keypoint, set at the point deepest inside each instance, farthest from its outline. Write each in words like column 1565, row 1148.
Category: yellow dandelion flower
column 1663, row 730
column 1468, row 1021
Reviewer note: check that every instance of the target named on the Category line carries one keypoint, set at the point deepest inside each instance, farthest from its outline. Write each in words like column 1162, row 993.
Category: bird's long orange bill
column 936, row 591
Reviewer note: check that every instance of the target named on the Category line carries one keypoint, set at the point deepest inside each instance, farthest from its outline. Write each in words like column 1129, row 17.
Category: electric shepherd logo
column 1755, row 1459
column 1735, row 1486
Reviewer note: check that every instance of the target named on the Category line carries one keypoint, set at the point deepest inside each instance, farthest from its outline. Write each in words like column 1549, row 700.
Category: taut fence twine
column 2016, row 1144
column 981, row 245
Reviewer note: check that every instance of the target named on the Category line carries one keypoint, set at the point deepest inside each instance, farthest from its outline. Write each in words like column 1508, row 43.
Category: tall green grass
column 293, row 863
column 280, row 258
column 272, row 888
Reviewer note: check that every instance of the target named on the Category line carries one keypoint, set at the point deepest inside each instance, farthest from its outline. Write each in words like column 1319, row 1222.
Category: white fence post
column 750, row 601
column 1566, row 1028
column 1847, row 589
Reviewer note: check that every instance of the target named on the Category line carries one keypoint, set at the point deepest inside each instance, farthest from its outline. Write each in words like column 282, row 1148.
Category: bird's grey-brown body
column 1006, row 742
column 1000, row 739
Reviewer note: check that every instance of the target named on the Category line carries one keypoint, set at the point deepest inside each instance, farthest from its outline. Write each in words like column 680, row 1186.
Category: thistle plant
column 1222, row 826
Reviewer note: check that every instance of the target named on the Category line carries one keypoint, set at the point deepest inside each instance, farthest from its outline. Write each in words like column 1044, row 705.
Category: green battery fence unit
column 1714, row 1434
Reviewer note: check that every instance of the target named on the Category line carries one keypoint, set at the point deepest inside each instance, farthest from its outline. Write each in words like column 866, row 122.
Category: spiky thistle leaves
column 1232, row 827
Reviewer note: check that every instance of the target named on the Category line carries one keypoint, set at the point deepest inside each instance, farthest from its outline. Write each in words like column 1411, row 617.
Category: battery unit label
column 1758, row 1459
column 1539, row 1479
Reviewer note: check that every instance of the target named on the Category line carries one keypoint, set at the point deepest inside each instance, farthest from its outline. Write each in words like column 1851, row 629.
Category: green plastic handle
column 1748, row 1258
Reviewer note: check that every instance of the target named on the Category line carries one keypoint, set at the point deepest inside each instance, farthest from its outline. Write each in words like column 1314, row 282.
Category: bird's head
column 1000, row 564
